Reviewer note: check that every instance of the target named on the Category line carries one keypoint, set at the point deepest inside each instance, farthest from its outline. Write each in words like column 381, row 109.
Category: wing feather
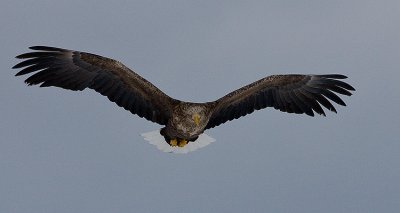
column 74, row 70
column 287, row 93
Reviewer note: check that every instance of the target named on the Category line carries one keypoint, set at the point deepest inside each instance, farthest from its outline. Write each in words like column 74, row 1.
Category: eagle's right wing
column 75, row 70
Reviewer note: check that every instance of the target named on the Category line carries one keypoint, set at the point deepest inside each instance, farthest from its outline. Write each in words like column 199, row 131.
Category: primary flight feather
column 184, row 122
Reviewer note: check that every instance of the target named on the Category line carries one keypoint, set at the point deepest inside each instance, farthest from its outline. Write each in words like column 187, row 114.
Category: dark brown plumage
column 75, row 70
column 183, row 121
column 287, row 93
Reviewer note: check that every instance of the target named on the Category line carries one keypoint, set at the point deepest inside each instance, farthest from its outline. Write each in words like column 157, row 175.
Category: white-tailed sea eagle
column 184, row 122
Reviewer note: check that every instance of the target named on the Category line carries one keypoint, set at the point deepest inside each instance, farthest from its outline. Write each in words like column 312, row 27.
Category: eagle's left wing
column 287, row 93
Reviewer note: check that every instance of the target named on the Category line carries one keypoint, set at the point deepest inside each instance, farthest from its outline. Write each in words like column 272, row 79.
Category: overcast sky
column 64, row 151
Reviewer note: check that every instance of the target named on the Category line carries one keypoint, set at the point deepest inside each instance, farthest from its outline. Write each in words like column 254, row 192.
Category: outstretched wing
column 75, row 70
column 287, row 93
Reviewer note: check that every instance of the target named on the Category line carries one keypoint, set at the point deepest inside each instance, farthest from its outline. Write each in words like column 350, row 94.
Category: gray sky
column 63, row 151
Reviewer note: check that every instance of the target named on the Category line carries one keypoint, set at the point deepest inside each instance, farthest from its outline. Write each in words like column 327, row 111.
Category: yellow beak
column 196, row 119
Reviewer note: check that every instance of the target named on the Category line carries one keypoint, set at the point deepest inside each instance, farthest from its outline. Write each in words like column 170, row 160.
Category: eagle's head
column 189, row 120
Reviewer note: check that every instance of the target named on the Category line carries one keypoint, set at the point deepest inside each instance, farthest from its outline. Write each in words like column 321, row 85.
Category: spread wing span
column 287, row 93
column 75, row 70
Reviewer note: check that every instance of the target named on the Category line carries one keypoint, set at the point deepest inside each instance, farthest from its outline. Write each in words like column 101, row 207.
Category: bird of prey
column 184, row 122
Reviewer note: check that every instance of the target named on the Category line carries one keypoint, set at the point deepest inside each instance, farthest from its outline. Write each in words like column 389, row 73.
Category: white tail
column 158, row 140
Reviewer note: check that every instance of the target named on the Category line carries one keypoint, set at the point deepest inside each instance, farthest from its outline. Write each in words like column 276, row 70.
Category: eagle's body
column 184, row 121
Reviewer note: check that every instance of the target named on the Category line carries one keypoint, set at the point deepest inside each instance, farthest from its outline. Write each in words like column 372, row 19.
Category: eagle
column 183, row 122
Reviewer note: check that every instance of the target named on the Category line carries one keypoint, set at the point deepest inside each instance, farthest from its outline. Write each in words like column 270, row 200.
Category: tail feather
column 158, row 140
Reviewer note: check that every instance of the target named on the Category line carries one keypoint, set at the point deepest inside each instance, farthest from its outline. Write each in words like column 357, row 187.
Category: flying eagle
column 184, row 122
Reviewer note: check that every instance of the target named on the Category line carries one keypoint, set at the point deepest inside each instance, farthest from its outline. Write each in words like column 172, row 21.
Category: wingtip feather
column 46, row 48
column 334, row 76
